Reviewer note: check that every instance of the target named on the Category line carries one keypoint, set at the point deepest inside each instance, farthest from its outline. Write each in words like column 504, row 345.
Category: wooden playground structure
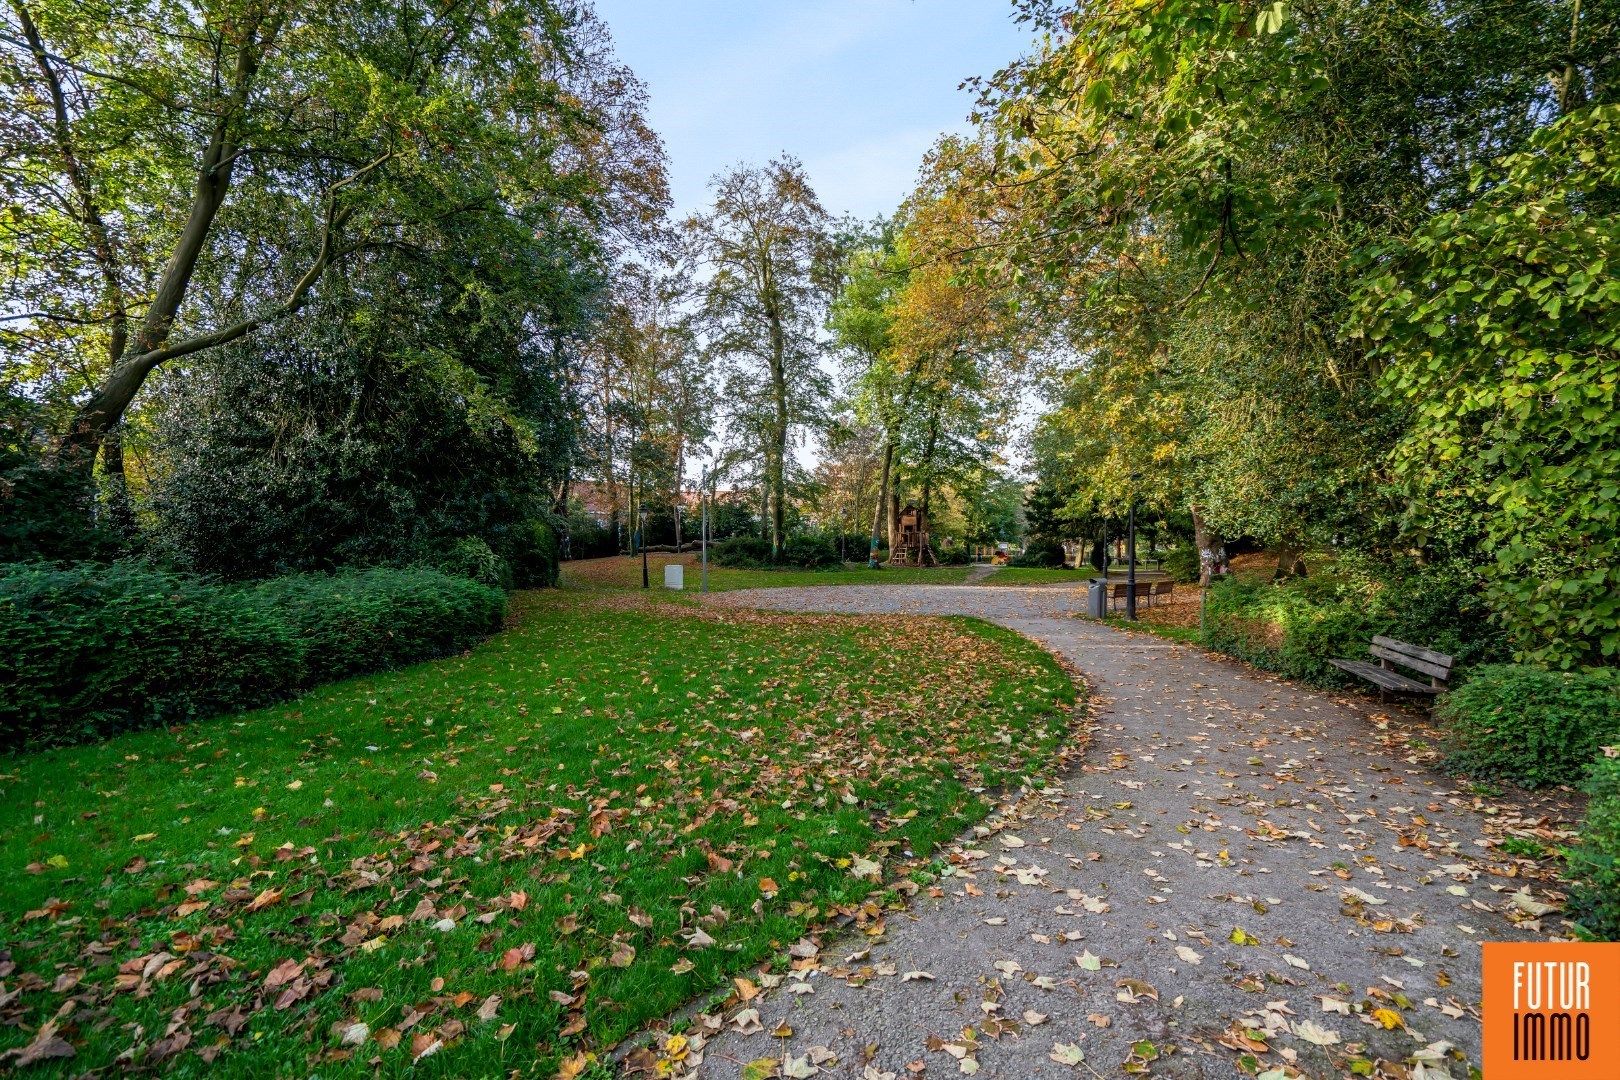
column 911, row 547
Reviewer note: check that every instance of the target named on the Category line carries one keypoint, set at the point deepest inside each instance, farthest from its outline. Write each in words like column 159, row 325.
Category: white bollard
column 674, row 576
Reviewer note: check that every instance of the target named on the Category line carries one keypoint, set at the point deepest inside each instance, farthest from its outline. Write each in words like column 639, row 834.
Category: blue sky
column 857, row 89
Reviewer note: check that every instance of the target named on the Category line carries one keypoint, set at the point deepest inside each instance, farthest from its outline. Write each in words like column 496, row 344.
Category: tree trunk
column 928, row 459
column 675, row 502
column 119, row 511
column 882, row 499
column 778, row 451
column 1210, row 548
column 107, row 405
column 895, row 509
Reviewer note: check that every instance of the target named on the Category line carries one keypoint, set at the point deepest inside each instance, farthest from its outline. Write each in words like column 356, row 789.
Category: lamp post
column 643, row 522
column 1130, row 553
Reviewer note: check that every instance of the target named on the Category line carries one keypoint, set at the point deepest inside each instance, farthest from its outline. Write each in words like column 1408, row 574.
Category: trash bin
column 1097, row 598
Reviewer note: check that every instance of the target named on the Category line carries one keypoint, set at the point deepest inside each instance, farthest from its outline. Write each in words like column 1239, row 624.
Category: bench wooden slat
column 1439, row 671
column 1416, row 652
column 1389, row 680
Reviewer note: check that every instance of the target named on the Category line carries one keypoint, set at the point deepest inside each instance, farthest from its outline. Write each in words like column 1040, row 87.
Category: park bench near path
column 1392, row 654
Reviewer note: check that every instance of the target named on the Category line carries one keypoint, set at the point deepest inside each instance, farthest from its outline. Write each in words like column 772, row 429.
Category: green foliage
column 1039, row 553
column 800, row 551
column 1295, row 626
column 97, row 649
column 1181, row 563
column 534, row 554
column 1593, row 865
column 1192, row 195
column 44, row 512
column 1500, row 324
column 355, row 437
column 471, row 558
column 1530, row 726
column 1041, row 509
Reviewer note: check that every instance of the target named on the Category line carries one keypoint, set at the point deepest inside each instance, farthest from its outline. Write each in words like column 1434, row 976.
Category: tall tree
column 767, row 245
column 181, row 177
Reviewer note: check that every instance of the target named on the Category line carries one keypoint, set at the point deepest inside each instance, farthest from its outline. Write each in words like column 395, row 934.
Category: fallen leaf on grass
column 45, row 1046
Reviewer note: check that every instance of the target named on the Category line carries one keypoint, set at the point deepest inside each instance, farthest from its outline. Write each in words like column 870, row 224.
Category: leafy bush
column 1182, row 564
column 746, row 552
column 1047, row 553
column 1296, row 625
column 806, row 551
column 958, row 555
column 97, row 649
column 1594, row 865
column 1531, row 726
column 45, row 509
column 471, row 557
column 534, row 554
column 587, row 539
column 812, row 551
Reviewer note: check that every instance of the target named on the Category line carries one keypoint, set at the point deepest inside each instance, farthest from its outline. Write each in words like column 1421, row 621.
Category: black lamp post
column 1130, row 553
column 644, row 581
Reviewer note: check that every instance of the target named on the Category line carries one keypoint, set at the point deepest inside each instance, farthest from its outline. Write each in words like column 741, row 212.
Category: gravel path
column 1239, row 866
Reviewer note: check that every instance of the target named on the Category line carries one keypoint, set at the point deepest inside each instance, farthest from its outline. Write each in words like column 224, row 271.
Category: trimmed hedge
column 96, row 649
column 1530, row 726
column 1594, row 865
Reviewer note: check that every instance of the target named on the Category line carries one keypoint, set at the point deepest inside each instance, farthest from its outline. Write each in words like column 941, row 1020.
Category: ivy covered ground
column 508, row 860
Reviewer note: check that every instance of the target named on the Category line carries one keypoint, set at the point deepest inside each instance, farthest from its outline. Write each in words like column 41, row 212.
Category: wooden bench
column 1161, row 588
column 1122, row 591
column 1392, row 654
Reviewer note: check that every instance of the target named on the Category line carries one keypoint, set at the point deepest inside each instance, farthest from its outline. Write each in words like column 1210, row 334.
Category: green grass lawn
column 1187, row 635
column 623, row 572
column 502, row 861
column 1039, row 575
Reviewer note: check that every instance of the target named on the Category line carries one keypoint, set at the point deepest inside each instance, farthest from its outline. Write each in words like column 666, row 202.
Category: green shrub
column 1594, row 864
column 97, row 649
column 1296, row 625
column 812, row 551
column 804, row 551
column 745, row 552
column 1182, row 564
column 1043, row 553
column 1530, row 726
column 958, row 555
column 535, row 555
column 471, row 557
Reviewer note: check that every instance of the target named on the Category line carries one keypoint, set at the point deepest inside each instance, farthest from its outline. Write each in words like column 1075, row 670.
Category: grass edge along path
column 624, row 572
column 507, row 860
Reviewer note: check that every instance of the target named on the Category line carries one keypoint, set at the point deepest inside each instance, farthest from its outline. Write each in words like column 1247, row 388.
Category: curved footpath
column 1237, row 865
